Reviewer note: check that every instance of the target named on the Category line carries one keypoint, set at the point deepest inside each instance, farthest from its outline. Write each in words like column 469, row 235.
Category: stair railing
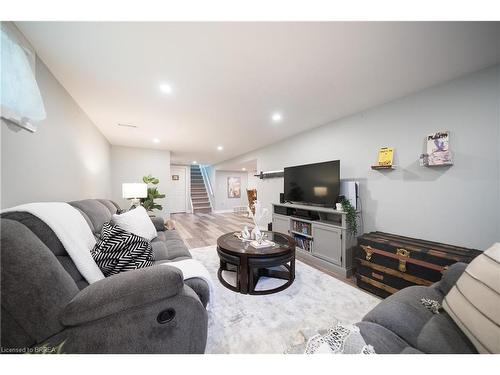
column 208, row 186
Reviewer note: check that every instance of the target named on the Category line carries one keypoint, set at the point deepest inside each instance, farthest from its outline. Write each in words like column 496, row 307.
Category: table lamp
column 134, row 191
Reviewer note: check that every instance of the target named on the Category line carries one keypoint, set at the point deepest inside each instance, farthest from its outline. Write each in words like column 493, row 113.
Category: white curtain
column 20, row 98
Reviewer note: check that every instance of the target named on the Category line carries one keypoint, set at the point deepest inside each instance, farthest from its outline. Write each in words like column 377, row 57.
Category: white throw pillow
column 474, row 302
column 138, row 222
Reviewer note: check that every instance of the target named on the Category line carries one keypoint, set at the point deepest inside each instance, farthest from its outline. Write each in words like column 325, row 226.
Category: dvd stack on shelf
column 301, row 227
column 303, row 243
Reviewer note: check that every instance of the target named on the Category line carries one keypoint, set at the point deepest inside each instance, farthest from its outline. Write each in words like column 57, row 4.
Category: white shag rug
column 277, row 323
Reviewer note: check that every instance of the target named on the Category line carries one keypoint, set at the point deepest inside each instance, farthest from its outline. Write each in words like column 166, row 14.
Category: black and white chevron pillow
column 118, row 251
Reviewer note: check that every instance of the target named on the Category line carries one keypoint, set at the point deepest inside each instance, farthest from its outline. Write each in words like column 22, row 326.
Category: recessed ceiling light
column 220, row 148
column 166, row 88
column 243, row 169
column 195, row 162
column 156, row 140
column 277, row 117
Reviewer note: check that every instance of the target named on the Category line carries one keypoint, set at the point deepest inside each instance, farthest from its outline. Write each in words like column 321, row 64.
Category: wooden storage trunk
column 387, row 262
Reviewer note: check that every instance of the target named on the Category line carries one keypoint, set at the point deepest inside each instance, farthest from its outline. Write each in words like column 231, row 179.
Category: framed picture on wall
column 234, row 187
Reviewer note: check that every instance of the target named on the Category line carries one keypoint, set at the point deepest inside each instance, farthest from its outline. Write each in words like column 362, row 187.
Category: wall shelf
column 301, row 234
column 383, row 167
column 437, row 165
column 270, row 174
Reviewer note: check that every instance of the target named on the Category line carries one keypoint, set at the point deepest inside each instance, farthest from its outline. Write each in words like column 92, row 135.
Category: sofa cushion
column 136, row 221
column 201, row 288
column 160, row 237
column 474, row 302
column 440, row 335
column 119, row 250
column 35, row 286
column 93, row 211
column 382, row 340
column 172, row 235
column 450, row 277
column 112, row 206
column 177, row 251
column 49, row 238
column 159, row 223
column 403, row 313
column 159, row 250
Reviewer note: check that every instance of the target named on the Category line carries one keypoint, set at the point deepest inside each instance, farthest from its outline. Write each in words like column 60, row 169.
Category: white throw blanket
column 72, row 230
column 192, row 268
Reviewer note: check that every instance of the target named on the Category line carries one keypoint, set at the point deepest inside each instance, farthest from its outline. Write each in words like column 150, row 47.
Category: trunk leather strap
column 400, row 256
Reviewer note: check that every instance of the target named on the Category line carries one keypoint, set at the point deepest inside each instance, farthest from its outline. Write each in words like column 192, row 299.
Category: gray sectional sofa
column 45, row 299
column 401, row 323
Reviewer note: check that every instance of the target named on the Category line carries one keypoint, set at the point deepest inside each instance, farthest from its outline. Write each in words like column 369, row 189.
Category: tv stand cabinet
column 323, row 242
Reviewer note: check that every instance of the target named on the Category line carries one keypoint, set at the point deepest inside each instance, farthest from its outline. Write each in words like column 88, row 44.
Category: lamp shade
column 134, row 190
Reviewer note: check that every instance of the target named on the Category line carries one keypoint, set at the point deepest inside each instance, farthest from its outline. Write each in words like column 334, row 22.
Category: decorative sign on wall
column 385, row 156
column 385, row 159
column 234, row 187
column 438, row 150
column 175, row 177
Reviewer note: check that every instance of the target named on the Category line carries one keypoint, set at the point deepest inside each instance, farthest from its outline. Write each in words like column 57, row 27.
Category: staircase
column 199, row 195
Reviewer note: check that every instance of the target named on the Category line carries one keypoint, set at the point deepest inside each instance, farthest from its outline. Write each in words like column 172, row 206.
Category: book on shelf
column 301, row 227
column 303, row 243
column 385, row 156
column 438, row 149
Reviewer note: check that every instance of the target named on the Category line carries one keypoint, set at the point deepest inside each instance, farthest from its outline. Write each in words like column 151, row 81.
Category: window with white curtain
column 20, row 98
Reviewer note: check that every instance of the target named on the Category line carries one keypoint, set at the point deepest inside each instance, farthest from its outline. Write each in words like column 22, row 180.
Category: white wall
column 457, row 205
column 222, row 202
column 130, row 164
column 66, row 159
column 253, row 181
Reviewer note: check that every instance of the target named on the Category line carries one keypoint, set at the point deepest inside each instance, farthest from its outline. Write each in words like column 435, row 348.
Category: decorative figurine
column 245, row 234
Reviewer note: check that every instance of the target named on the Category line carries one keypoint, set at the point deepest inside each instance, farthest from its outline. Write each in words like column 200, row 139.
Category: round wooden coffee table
column 251, row 263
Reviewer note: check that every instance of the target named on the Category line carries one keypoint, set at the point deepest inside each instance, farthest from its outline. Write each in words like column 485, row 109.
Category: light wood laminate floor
column 200, row 230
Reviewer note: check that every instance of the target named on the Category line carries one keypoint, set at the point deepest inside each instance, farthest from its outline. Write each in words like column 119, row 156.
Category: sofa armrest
column 159, row 223
column 122, row 292
column 451, row 276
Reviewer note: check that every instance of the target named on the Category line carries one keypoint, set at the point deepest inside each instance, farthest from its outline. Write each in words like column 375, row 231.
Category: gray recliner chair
column 401, row 323
column 45, row 299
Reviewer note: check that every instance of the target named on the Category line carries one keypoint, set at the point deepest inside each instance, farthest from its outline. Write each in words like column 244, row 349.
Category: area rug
column 275, row 323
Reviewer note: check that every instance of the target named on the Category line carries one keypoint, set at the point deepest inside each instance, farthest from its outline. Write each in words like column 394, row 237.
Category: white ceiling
column 247, row 165
column 228, row 78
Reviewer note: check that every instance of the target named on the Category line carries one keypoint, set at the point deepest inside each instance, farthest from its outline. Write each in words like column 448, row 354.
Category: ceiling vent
column 127, row 125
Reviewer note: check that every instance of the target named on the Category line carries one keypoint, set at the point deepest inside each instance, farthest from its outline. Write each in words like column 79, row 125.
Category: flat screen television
column 315, row 184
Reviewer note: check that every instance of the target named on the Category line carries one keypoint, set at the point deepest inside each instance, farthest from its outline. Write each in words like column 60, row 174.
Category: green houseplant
column 149, row 202
column 351, row 217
